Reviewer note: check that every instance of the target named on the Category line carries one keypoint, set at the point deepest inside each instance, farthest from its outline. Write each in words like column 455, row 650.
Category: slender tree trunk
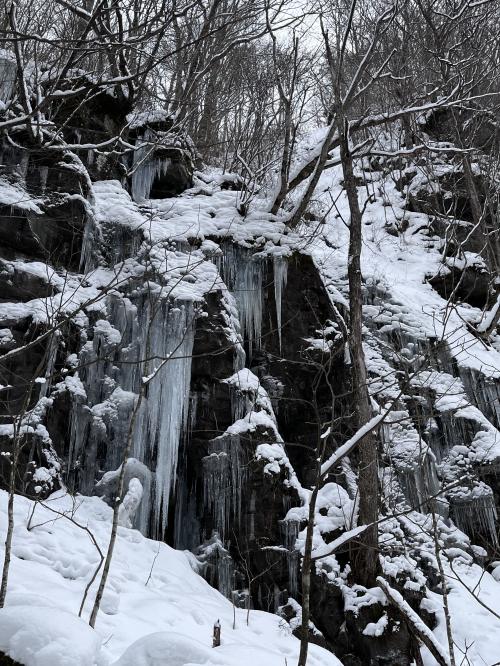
column 8, row 538
column 447, row 616
column 365, row 564
column 306, row 578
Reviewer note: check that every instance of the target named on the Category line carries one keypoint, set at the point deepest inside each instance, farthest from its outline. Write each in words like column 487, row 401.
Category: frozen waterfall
column 242, row 272
column 147, row 166
column 147, row 341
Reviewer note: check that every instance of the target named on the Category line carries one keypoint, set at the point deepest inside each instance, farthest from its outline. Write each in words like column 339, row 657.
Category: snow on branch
column 346, row 448
column 415, row 623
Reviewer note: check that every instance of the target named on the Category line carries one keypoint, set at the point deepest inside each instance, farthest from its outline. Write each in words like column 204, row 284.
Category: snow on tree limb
column 416, row 624
column 346, row 448
column 342, row 540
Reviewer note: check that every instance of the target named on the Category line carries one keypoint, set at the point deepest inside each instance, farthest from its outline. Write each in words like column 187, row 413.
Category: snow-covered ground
column 156, row 609
column 475, row 627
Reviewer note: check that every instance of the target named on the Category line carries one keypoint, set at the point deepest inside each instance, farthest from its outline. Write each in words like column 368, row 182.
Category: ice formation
column 7, row 75
column 242, row 272
column 147, row 166
column 152, row 356
column 280, row 267
column 223, row 476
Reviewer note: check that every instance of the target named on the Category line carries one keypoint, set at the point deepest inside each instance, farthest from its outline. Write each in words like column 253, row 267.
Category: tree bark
column 365, row 563
column 306, row 578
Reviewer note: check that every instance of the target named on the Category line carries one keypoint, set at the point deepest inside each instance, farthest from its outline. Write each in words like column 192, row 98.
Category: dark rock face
column 94, row 120
column 19, row 284
column 394, row 646
column 450, row 197
column 51, row 226
column 177, row 176
column 54, row 235
column 470, row 285
column 477, row 127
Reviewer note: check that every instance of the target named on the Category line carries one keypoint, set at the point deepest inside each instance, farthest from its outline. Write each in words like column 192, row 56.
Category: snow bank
column 156, row 609
column 155, row 649
column 37, row 636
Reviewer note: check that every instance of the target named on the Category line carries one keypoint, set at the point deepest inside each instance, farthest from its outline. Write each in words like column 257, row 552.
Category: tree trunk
column 306, row 578
column 8, row 539
column 365, row 564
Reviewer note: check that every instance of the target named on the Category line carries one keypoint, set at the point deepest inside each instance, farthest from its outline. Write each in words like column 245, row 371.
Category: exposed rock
column 477, row 127
column 470, row 285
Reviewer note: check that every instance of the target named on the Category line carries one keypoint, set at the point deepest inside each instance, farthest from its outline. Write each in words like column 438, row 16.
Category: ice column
column 147, row 167
column 280, row 266
column 242, row 272
column 164, row 410
column 7, row 77
column 290, row 533
column 157, row 339
column 223, row 475
column 476, row 512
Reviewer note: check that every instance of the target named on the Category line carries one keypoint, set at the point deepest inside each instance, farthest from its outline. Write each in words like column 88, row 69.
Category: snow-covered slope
column 216, row 264
column 156, row 610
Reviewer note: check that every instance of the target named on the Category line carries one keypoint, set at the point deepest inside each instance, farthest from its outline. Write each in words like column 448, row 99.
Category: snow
column 152, row 651
column 140, row 118
column 377, row 628
column 47, row 636
column 408, row 611
column 474, row 627
column 170, row 615
column 251, row 422
column 108, row 332
column 14, row 195
column 489, row 317
column 344, row 450
column 114, row 205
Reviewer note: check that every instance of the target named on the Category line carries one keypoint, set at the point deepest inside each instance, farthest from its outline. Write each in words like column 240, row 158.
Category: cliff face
column 214, row 343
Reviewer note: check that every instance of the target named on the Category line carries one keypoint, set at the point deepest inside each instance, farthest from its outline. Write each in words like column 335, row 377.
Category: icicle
column 79, row 422
column 483, row 393
column 147, row 167
column 243, row 275
column 280, row 266
column 89, row 243
column 7, row 77
column 420, row 483
column 51, row 362
column 290, row 533
column 112, row 375
column 475, row 512
column 43, row 172
column 165, row 410
column 223, row 478
column 219, row 566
